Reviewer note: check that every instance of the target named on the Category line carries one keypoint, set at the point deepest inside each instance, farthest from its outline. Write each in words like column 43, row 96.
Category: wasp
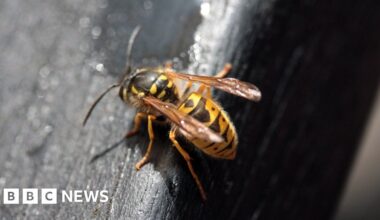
column 193, row 115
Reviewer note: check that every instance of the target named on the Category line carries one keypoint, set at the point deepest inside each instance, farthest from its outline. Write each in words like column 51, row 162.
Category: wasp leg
column 137, row 124
column 186, row 156
column 226, row 69
column 160, row 122
column 202, row 88
column 145, row 158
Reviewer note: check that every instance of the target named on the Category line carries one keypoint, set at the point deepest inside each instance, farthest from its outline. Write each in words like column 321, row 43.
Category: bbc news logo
column 50, row 196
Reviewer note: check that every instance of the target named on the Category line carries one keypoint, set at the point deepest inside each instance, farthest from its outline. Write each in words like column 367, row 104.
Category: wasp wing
column 230, row 85
column 192, row 128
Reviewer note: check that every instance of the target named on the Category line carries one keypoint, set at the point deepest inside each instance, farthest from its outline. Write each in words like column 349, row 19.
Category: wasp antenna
column 97, row 101
column 131, row 41
column 130, row 45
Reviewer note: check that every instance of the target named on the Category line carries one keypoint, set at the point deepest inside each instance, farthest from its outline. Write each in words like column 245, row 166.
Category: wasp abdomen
column 213, row 116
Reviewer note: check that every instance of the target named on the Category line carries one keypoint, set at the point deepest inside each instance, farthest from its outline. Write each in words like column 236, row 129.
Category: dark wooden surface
column 315, row 62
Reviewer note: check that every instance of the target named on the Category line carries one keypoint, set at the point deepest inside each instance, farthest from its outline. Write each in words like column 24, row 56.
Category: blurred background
column 55, row 57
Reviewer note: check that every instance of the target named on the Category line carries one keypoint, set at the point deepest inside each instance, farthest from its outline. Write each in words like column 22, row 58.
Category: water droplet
column 111, row 118
column 44, row 71
column 84, row 22
column 48, row 129
column 99, row 67
column 96, row 32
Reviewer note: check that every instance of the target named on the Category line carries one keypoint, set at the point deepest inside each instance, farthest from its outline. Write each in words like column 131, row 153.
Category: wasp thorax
column 143, row 81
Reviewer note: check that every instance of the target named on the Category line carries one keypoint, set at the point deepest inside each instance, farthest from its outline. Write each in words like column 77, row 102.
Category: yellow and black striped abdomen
column 212, row 115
